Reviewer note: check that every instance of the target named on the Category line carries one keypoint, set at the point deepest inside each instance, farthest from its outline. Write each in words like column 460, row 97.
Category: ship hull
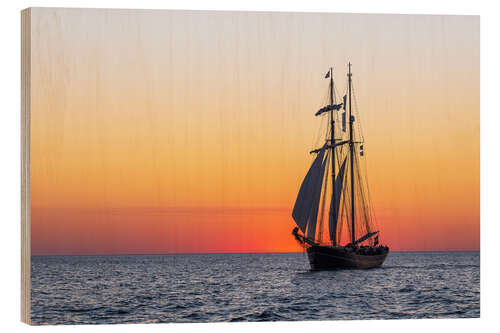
column 329, row 258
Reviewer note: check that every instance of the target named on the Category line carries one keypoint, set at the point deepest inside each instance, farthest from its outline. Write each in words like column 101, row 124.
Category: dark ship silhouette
column 334, row 180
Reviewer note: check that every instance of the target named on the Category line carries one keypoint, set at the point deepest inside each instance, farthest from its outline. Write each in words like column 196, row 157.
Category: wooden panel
column 25, row 165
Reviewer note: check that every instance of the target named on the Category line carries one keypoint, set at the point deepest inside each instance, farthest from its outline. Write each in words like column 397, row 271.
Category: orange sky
column 173, row 131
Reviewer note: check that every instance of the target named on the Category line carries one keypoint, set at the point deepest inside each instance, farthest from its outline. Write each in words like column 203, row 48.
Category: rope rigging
column 365, row 219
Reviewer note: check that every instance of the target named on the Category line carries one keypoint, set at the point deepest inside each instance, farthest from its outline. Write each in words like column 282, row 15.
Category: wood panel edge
column 25, row 166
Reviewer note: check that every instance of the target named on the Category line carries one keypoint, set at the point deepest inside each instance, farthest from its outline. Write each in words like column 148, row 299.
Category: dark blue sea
column 249, row 287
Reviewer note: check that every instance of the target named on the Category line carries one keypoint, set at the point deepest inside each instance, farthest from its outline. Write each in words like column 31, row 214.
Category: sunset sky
column 175, row 131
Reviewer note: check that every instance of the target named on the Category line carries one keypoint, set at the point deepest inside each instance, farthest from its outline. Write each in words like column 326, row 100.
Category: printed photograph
column 218, row 166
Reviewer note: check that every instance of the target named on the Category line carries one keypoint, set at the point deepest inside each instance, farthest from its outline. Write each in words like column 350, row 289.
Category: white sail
column 316, row 195
column 304, row 202
column 334, row 205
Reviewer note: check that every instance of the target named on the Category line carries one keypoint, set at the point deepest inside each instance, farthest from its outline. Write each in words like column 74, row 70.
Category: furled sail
column 316, row 195
column 305, row 198
column 334, row 107
column 334, row 206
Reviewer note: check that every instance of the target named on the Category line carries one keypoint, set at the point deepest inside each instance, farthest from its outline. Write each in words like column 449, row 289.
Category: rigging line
column 363, row 208
column 339, row 165
column 320, row 137
column 361, row 182
column 322, row 128
column 369, row 197
column 358, row 121
column 347, row 204
column 362, row 140
column 322, row 211
column 340, row 224
column 320, row 124
column 344, row 215
column 368, row 221
column 335, row 93
column 358, row 226
column 366, row 206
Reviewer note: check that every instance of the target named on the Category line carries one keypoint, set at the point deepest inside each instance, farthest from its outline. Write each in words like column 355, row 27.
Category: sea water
column 107, row 289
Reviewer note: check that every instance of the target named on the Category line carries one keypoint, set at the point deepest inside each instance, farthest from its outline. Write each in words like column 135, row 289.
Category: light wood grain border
column 25, row 165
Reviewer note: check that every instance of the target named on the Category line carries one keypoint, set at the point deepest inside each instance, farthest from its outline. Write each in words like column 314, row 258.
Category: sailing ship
column 333, row 212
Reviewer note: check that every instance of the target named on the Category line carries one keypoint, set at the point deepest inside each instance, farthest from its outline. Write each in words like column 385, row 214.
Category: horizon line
column 198, row 253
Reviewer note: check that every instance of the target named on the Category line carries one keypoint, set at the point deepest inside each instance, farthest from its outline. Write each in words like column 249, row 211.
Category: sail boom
column 365, row 237
column 300, row 238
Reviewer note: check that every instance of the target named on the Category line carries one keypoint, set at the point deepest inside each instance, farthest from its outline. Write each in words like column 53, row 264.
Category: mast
column 332, row 143
column 351, row 147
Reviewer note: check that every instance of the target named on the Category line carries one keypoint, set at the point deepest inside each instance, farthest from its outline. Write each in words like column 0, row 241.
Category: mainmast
column 332, row 143
column 351, row 147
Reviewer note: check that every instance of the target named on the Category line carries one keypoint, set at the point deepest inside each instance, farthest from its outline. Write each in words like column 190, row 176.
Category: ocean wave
column 256, row 287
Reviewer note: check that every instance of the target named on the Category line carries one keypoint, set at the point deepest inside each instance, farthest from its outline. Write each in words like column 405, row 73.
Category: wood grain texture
column 25, row 165
column 153, row 131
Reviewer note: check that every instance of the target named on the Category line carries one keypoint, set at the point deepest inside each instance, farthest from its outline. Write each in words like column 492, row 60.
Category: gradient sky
column 175, row 131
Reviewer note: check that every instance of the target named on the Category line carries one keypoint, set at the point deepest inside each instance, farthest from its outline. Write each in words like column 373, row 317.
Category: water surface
column 249, row 287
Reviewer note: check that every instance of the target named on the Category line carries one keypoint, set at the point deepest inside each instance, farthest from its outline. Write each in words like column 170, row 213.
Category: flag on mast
column 327, row 75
